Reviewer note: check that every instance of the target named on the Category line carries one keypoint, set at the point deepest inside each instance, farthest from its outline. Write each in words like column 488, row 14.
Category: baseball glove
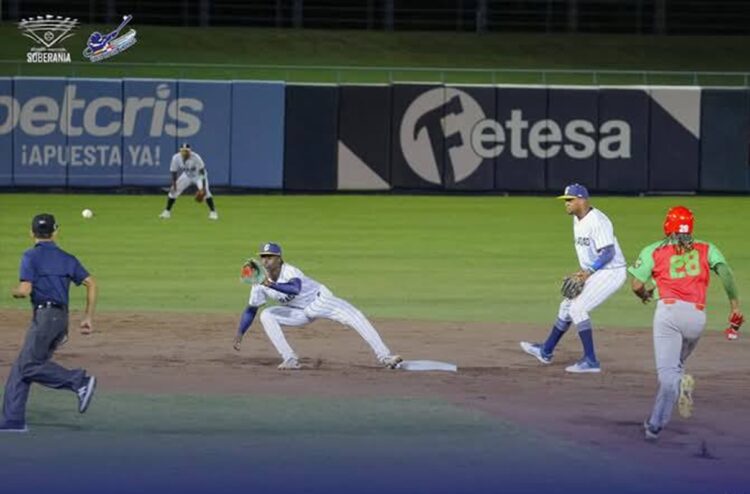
column 200, row 195
column 572, row 286
column 735, row 322
column 252, row 272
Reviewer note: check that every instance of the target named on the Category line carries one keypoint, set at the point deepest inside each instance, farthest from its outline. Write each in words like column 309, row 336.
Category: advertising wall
column 95, row 133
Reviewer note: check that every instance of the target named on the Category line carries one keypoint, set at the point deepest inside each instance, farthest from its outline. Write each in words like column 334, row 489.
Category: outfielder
column 602, row 273
column 679, row 268
column 300, row 300
column 192, row 171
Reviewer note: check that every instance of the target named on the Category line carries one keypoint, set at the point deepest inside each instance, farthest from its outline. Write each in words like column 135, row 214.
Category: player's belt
column 47, row 305
column 670, row 301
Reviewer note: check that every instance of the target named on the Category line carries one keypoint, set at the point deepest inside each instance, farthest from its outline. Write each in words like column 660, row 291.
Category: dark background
column 585, row 16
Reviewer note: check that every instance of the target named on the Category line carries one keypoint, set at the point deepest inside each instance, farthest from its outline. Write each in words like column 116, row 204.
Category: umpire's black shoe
column 13, row 427
column 85, row 393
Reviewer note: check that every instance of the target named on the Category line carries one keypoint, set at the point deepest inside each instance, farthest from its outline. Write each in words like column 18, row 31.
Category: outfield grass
column 158, row 46
column 429, row 258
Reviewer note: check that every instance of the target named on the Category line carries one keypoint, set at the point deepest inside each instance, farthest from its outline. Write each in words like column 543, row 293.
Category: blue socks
column 558, row 330
column 586, row 333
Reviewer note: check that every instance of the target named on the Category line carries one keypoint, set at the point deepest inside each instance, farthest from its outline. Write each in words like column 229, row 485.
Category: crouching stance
column 299, row 301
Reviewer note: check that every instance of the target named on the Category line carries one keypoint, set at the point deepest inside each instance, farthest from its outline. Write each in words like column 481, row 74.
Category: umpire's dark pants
column 48, row 330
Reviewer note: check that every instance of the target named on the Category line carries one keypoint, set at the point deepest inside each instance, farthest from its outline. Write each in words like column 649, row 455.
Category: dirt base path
column 192, row 353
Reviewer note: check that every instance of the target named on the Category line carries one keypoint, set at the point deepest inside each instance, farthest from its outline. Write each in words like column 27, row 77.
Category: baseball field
column 457, row 279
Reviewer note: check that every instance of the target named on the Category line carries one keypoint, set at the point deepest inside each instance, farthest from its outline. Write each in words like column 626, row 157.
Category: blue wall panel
column 94, row 134
column 7, row 124
column 209, row 102
column 257, row 145
column 40, row 146
column 149, row 130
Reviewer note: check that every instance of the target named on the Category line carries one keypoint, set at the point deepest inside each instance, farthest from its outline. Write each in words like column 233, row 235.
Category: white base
column 427, row 365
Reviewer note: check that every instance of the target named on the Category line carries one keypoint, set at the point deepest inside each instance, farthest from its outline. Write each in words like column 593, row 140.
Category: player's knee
column 172, row 195
column 30, row 369
column 267, row 317
column 578, row 312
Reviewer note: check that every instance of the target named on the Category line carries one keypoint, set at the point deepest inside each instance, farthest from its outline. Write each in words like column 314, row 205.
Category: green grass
column 432, row 258
column 405, row 50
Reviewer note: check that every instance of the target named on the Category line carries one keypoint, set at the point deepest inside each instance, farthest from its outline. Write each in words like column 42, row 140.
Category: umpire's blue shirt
column 50, row 270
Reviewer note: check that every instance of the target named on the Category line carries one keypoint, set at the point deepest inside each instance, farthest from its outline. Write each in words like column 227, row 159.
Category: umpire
column 45, row 274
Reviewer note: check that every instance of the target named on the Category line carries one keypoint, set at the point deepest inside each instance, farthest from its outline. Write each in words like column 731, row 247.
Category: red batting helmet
column 679, row 220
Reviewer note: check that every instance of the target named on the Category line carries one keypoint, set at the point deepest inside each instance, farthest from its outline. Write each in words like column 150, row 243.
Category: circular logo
column 441, row 120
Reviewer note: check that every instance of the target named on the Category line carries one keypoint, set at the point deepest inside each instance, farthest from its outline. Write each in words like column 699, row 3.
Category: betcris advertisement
column 109, row 132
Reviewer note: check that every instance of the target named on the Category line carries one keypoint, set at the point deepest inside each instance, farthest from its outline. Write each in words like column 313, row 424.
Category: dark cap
column 185, row 145
column 43, row 225
column 270, row 249
column 574, row 191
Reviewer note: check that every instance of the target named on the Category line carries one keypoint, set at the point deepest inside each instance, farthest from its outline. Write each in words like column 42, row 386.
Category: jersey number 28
column 685, row 265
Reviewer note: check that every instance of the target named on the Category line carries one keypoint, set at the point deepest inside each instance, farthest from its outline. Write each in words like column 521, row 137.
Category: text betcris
column 102, row 116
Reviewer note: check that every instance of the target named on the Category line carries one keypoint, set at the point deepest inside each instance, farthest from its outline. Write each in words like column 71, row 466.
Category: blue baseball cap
column 574, row 191
column 270, row 249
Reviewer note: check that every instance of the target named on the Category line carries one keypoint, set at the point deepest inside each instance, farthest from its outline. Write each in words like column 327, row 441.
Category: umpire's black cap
column 43, row 225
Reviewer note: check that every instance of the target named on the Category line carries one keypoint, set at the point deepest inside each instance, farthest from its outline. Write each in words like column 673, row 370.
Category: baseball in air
column 87, row 213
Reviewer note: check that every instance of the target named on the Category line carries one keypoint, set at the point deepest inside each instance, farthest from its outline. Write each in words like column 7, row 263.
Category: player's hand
column 86, row 326
column 584, row 275
column 648, row 295
column 267, row 282
column 237, row 342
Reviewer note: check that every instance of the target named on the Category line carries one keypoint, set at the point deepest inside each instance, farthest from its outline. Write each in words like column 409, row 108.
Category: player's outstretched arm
column 246, row 320
column 292, row 287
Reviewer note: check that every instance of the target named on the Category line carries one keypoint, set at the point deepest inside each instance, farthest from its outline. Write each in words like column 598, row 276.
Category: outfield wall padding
column 626, row 167
column 364, row 140
column 6, row 133
column 95, row 151
column 311, row 137
column 572, row 153
column 257, row 134
column 39, row 143
column 418, row 137
column 518, row 170
column 469, row 159
column 725, row 141
column 108, row 133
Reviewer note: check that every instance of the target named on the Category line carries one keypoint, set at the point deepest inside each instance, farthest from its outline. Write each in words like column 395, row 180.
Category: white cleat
column 584, row 366
column 290, row 364
column 536, row 350
column 165, row 215
column 391, row 361
column 213, row 215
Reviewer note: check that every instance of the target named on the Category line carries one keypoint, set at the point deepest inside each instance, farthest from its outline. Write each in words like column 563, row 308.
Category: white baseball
column 87, row 213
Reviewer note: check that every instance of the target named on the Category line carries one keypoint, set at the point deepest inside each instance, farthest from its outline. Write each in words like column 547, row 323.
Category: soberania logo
column 48, row 31
column 451, row 116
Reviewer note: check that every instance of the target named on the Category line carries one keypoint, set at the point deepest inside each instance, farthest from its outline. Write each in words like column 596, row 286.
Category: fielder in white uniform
column 187, row 168
column 603, row 268
column 300, row 300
